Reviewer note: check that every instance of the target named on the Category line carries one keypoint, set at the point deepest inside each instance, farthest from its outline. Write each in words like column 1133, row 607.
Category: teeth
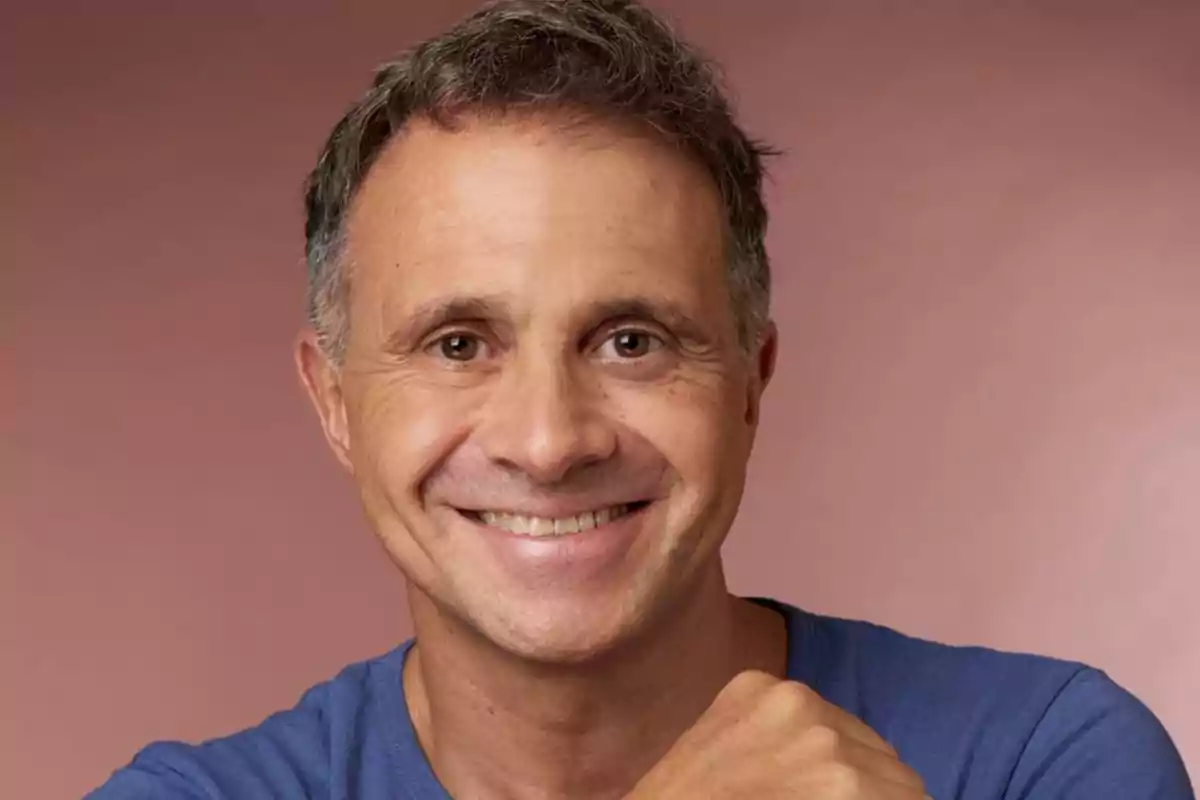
column 541, row 526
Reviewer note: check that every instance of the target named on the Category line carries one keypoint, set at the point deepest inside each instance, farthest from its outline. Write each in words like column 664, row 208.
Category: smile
column 534, row 526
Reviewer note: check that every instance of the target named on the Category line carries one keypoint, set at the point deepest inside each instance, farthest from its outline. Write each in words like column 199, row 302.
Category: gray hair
column 596, row 59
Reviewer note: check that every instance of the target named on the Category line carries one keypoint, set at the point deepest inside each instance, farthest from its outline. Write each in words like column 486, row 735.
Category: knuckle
column 794, row 698
column 822, row 741
column 748, row 683
column 753, row 679
column 842, row 780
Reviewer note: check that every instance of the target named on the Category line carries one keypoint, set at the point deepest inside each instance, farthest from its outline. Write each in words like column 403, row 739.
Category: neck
column 494, row 726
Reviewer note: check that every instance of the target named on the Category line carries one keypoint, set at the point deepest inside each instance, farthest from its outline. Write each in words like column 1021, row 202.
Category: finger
column 868, row 761
column 837, row 718
column 792, row 702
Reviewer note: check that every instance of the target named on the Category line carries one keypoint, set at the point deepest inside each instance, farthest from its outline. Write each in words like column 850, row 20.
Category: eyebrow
column 439, row 312
column 666, row 312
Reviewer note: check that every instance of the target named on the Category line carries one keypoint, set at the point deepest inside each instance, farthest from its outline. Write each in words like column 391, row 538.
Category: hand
column 765, row 738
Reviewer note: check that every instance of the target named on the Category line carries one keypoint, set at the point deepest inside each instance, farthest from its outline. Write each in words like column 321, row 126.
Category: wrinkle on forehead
column 513, row 205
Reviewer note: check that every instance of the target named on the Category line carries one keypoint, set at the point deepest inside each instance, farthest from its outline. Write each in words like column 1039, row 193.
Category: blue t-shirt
column 977, row 724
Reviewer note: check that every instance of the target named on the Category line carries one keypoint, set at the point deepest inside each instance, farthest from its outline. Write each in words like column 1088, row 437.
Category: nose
column 543, row 421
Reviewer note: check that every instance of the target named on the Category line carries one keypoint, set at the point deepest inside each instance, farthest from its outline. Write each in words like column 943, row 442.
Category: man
column 539, row 342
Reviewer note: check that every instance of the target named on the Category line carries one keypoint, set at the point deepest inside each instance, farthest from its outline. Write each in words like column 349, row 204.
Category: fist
column 765, row 738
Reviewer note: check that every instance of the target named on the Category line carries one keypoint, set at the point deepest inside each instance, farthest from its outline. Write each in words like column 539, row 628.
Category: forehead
column 514, row 204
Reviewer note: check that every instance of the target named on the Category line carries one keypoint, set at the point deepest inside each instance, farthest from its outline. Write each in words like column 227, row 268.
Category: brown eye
column 629, row 344
column 459, row 347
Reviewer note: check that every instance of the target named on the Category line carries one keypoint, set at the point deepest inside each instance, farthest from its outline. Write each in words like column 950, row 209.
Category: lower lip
column 568, row 558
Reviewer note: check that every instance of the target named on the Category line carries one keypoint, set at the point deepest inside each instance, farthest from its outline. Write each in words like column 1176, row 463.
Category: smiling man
column 539, row 342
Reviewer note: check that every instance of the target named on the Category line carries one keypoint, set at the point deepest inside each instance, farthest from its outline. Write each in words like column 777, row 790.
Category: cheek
column 402, row 429
column 695, row 426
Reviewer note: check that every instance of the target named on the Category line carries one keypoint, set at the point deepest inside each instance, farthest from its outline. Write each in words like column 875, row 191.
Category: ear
column 763, row 366
column 323, row 381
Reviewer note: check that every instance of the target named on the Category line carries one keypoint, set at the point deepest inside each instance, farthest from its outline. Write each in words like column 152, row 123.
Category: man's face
column 543, row 399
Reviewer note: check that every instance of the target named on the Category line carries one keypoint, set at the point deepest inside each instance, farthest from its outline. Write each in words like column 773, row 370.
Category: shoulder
column 882, row 671
column 1097, row 740
column 980, row 722
column 291, row 753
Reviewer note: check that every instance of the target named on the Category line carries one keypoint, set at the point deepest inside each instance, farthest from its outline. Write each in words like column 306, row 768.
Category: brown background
column 985, row 427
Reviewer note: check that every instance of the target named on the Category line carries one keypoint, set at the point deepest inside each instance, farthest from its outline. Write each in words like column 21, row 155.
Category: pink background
column 985, row 426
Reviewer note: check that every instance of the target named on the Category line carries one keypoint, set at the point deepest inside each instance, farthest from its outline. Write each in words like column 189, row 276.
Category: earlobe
column 322, row 381
column 763, row 367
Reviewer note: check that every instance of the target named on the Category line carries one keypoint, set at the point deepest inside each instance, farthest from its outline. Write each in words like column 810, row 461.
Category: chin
column 564, row 631
column 569, row 600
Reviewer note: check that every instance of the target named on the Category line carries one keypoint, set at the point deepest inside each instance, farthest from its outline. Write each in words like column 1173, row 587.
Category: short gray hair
column 603, row 59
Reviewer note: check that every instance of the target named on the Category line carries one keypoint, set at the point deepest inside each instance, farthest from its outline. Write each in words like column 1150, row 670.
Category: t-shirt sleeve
column 285, row 756
column 158, row 773
column 1098, row 741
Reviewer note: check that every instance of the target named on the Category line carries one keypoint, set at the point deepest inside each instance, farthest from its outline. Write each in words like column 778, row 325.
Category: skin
column 540, row 323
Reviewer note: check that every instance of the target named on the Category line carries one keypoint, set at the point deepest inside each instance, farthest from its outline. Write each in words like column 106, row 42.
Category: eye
column 631, row 343
column 458, row 347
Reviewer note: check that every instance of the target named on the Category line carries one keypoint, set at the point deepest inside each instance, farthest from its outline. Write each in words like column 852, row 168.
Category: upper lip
column 556, row 510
